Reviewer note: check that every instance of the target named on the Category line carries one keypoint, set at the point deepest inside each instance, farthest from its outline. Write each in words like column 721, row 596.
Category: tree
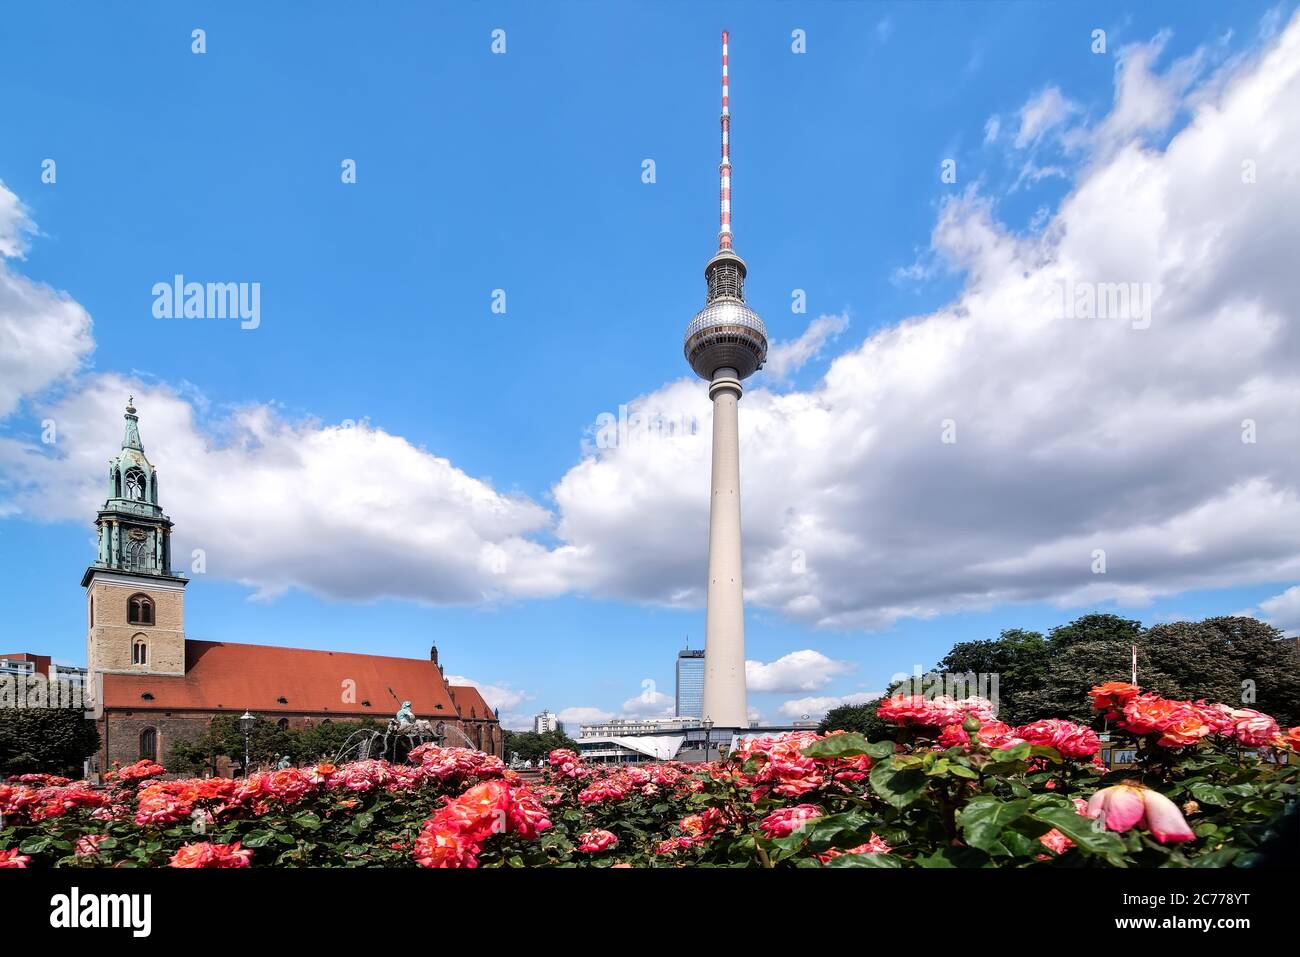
column 1086, row 652
column 1019, row 659
column 1242, row 662
column 45, row 740
column 1228, row 659
column 223, row 737
column 856, row 717
column 531, row 746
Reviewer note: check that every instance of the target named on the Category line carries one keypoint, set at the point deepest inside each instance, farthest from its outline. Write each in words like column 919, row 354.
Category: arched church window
column 140, row 610
column 283, row 724
column 135, row 485
column 139, row 652
column 149, row 744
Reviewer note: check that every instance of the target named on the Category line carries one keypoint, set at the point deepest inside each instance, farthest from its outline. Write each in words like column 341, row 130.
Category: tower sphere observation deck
column 726, row 333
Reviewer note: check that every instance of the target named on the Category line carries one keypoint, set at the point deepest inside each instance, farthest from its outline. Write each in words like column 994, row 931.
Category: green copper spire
column 134, row 532
column 131, row 438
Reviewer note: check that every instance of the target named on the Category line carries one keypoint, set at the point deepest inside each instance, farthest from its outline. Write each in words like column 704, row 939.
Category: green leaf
column 1084, row 832
column 258, row 839
column 899, row 786
column 984, row 817
column 308, row 820
column 874, row 859
column 1209, row 794
column 35, row 845
column 961, row 771
column 846, row 745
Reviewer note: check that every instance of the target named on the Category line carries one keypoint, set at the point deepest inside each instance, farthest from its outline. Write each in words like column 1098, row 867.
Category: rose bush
column 952, row 787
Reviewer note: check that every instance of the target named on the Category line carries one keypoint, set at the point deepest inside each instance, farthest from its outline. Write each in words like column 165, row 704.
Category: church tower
column 135, row 604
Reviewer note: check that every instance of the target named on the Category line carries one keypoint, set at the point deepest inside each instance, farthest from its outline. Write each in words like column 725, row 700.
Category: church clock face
column 136, row 546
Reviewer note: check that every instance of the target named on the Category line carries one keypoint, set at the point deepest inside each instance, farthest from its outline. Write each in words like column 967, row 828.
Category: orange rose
column 1113, row 695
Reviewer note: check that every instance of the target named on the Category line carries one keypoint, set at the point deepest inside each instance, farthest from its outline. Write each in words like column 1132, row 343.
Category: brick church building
column 153, row 686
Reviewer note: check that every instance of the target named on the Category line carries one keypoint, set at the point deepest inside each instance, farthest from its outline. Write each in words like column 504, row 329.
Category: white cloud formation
column 44, row 335
column 786, row 358
column 574, row 717
column 650, row 704
column 1072, row 434
column 815, row 708
column 498, row 697
column 348, row 512
column 805, row 670
column 1044, row 112
column 1283, row 611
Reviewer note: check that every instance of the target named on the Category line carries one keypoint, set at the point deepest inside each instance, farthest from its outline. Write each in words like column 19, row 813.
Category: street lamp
column 246, row 722
column 707, row 725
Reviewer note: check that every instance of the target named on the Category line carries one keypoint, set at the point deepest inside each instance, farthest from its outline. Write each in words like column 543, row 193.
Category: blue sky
column 523, row 172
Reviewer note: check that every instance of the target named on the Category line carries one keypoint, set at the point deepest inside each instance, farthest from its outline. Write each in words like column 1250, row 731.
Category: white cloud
column 15, row 225
column 805, row 670
column 1146, row 101
column 349, row 512
column 1043, row 112
column 498, row 697
column 44, row 335
column 574, row 717
column 992, row 127
column 1072, row 434
column 1283, row 611
column 650, row 704
column 815, row 708
column 786, row 358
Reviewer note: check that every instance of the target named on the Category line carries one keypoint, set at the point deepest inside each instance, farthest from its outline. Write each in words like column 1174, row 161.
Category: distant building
column 546, row 722
column 623, row 740
column 626, row 726
column 690, row 683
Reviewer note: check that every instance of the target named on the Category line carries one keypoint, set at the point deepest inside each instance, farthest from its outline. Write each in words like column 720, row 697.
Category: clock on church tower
column 135, row 603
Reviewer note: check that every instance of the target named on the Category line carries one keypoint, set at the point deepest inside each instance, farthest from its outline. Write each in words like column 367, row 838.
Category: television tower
column 725, row 343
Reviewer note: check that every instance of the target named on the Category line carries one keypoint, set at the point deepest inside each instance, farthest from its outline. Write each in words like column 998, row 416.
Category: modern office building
column 546, row 722
column 690, row 683
column 623, row 740
column 725, row 343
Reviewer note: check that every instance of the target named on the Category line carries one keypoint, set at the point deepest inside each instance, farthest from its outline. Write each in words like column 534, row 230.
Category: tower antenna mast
column 724, row 167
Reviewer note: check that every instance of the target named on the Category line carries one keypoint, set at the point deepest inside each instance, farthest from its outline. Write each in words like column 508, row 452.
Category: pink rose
column 1124, row 806
column 593, row 842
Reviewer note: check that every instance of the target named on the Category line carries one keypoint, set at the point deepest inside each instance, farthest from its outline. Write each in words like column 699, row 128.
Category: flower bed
column 955, row 787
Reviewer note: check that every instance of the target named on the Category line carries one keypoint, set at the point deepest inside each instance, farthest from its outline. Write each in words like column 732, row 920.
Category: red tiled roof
column 221, row 676
column 470, row 702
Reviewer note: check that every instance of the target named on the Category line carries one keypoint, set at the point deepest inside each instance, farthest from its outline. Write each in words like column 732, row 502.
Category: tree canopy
column 1240, row 661
column 532, row 746
column 45, row 740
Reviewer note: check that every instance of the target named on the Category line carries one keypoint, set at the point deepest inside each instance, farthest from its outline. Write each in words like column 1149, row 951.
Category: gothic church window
column 139, row 652
column 149, row 744
column 135, row 484
column 139, row 610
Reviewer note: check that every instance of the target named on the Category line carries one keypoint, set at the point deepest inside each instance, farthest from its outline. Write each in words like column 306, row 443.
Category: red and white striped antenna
column 724, row 168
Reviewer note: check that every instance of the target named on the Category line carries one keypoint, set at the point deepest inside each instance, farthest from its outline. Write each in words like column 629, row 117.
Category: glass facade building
column 690, row 684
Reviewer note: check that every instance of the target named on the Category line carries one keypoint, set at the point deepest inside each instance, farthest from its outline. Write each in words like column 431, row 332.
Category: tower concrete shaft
column 724, row 648
column 725, row 343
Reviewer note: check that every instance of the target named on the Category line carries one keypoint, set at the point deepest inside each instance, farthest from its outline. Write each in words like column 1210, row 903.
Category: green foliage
column 224, row 738
column 1239, row 661
column 45, row 740
column 532, row 746
column 860, row 718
